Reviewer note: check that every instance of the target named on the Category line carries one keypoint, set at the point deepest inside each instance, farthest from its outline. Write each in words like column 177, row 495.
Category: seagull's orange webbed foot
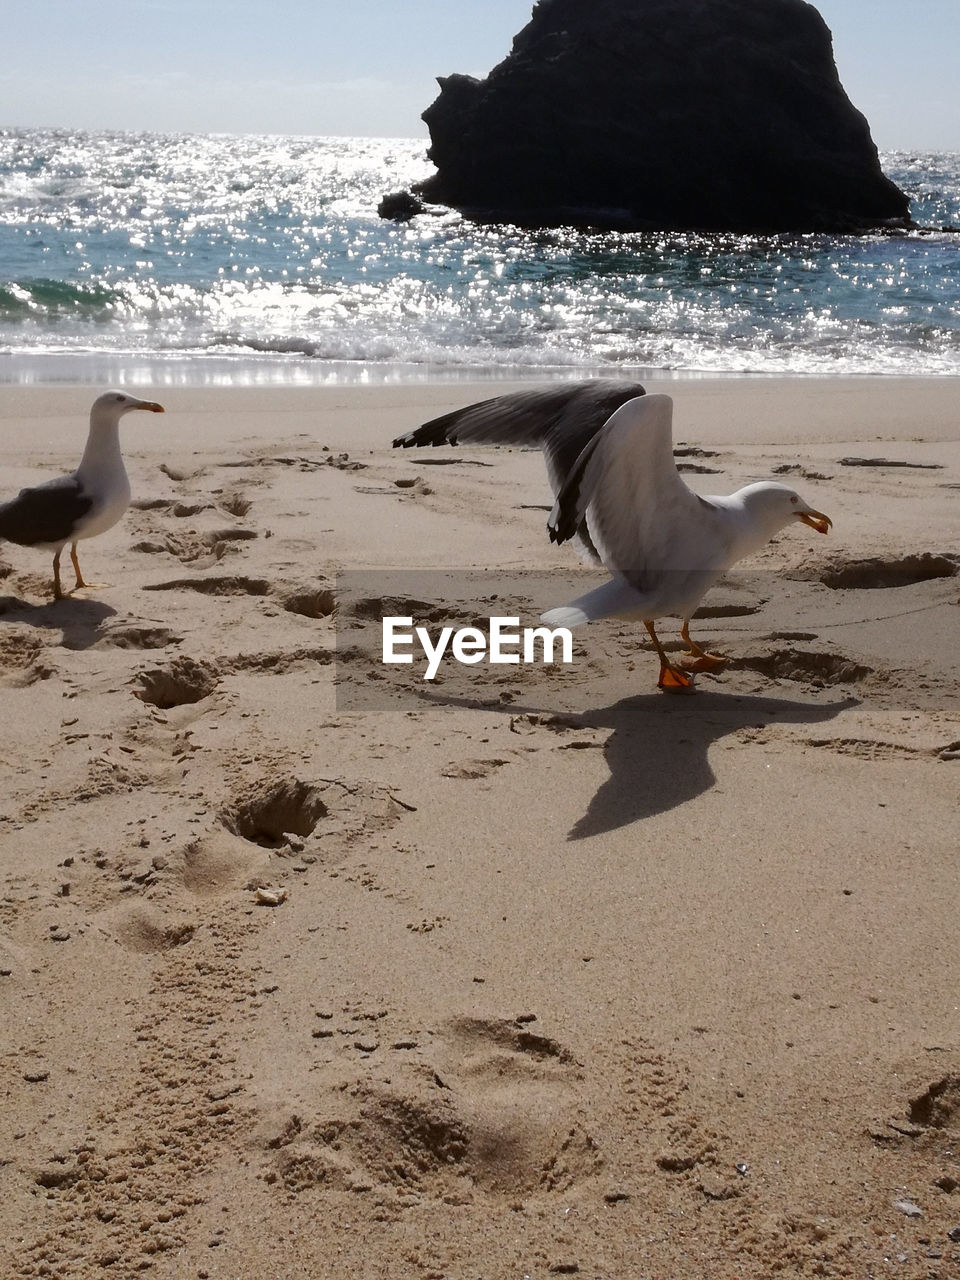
column 673, row 680
column 698, row 660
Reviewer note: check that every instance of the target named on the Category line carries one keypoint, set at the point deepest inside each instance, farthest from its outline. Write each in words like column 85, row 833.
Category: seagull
column 623, row 500
column 88, row 501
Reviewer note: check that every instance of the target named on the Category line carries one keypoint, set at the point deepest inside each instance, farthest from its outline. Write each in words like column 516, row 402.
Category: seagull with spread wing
column 84, row 503
column 609, row 450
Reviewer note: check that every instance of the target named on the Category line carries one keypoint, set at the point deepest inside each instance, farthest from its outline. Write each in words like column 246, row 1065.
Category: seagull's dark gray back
column 46, row 513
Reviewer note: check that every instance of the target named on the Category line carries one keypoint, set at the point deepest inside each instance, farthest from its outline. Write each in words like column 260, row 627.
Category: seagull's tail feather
column 565, row 615
column 615, row 597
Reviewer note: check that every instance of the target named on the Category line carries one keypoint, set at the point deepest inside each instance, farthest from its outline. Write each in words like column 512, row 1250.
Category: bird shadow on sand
column 657, row 752
column 79, row 621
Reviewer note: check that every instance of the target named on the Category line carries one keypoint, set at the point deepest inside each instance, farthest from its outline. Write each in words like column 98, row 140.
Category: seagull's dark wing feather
column 569, row 510
column 46, row 513
column 560, row 420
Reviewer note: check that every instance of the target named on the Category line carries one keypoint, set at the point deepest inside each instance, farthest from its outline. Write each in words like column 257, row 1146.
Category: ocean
column 216, row 258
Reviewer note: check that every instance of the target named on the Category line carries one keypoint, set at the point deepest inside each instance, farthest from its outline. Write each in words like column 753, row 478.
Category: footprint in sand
column 473, row 769
column 925, row 1131
column 278, row 661
column 807, row 666
column 871, row 748
column 209, row 864
column 218, row 585
column 217, row 862
column 22, row 661
column 179, row 473
column 938, row 1107
column 144, row 928
column 200, row 549
column 484, row 1104
column 235, row 502
column 135, row 635
column 104, row 774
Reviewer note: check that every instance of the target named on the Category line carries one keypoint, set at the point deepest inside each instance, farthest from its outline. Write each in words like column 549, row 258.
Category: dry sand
column 571, row 977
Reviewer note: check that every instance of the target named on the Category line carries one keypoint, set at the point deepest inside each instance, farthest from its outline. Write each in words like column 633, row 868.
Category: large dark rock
column 682, row 114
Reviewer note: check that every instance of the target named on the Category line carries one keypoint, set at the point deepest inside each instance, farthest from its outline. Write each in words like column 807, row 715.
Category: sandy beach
column 307, row 969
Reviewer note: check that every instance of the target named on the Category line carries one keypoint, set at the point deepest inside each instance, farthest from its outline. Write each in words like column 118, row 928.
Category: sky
column 368, row 67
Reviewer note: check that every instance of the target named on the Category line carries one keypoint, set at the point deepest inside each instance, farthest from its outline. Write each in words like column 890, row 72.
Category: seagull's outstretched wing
column 45, row 514
column 647, row 526
column 560, row 420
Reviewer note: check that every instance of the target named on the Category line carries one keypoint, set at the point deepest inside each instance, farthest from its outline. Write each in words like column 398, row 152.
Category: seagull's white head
column 772, row 506
column 112, row 405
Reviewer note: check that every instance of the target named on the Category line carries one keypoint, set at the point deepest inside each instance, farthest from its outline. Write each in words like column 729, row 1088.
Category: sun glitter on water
column 269, row 250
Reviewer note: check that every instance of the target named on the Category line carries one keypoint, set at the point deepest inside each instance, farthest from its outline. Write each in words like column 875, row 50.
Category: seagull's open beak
column 151, row 405
column 816, row 520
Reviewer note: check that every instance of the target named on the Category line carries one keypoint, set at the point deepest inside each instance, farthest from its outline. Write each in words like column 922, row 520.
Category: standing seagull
column 623, row 499
column 88, row 501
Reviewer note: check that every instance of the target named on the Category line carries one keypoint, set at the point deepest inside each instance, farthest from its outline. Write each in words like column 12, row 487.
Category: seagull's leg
column 701, row 660
column 76, row 566
column 672, row 679
column 57, row 591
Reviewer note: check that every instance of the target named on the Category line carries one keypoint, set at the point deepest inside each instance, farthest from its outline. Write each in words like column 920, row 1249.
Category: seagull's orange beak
column 152, row 406
column 816, row 520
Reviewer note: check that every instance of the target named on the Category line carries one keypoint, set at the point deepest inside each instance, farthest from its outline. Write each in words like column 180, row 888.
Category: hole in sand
column 939, row 1106
column 318, row 602
column 274, row 809
column 877, row 572
column 184, row 681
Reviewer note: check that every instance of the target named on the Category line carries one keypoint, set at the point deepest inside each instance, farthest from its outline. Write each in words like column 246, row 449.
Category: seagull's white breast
column 109, row 506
